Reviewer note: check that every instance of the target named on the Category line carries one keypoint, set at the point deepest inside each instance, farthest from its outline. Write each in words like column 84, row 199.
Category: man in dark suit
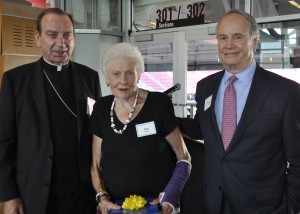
column 45, row 148
column 259, row 171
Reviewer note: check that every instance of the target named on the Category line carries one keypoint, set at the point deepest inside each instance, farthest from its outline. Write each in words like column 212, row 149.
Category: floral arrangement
column 134, row 202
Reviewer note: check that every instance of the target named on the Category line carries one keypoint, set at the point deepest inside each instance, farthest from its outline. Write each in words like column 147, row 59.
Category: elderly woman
column 136, row 140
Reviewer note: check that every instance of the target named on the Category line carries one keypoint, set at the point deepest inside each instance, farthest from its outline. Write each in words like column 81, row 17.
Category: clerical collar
column 53, row 67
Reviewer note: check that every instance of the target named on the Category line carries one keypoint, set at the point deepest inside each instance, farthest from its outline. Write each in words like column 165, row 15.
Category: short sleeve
column 169, row 120
column 100, row 118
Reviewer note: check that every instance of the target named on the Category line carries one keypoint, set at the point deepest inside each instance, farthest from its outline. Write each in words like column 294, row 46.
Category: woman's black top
column 130, row 164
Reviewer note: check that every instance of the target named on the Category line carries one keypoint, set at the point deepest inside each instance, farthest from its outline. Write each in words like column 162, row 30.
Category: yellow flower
column 134, row 202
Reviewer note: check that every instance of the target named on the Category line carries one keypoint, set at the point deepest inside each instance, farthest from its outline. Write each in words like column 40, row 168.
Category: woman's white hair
column 122, row 51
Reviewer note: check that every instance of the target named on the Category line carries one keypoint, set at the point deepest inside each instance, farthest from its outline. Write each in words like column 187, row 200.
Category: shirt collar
column 244, row 76
column 53, row 67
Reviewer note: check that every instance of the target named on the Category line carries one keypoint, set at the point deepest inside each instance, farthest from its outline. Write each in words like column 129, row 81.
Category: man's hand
column 14, row 206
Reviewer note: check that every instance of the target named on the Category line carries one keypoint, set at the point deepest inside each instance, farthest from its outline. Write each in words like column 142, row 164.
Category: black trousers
column 71, row 203
column 225, row 209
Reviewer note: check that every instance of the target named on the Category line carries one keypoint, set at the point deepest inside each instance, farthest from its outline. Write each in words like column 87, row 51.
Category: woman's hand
column 166, row 208
column 105, row 206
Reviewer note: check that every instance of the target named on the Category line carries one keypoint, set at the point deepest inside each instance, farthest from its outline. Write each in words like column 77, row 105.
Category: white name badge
column 145, row 129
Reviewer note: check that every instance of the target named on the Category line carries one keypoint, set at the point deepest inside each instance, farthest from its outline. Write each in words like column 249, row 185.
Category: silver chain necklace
column 61, row 99
column 113, row 126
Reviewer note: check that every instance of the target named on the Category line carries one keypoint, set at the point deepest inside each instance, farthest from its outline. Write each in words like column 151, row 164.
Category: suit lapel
column 81, row 102
column 259, row 91
column 217, row 143
column 37, row 85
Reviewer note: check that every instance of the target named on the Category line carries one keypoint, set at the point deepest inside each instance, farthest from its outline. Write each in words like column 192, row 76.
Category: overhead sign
column 172, row 16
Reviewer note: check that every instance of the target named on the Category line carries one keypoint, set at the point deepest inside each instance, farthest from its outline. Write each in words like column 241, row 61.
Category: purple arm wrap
column 173, row 190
